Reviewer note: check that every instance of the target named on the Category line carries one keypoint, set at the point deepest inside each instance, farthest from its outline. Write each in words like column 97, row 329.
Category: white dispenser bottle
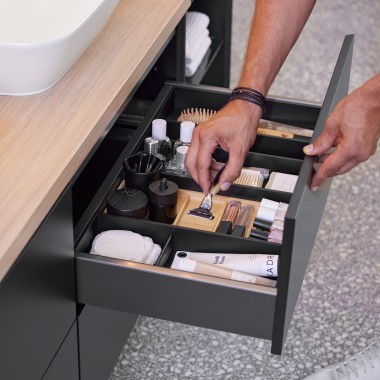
column 164, row 143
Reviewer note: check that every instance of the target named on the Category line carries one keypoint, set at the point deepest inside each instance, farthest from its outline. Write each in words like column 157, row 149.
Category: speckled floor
column 338, row 309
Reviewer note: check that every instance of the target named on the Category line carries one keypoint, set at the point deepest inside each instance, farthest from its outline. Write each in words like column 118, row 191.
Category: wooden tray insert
column 188, row 200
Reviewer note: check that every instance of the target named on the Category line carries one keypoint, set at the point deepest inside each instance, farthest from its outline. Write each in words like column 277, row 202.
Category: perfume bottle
column 186, row 133
column 164, row 143
column 181, row 146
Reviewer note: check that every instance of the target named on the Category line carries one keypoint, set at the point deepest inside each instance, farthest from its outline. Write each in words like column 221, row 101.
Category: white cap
column 269, row 204
column 187, row 128
column 266, row 214
column 159, row 129
column 185, row 264
column 180, row 156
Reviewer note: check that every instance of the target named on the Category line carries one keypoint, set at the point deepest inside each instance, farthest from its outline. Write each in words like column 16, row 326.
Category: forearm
column 275, row 28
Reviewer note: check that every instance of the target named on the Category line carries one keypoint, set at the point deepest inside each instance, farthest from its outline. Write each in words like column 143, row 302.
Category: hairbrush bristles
column 196, row 115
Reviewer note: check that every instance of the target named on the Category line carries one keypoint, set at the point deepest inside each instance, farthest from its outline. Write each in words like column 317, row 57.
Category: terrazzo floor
column 339, row 306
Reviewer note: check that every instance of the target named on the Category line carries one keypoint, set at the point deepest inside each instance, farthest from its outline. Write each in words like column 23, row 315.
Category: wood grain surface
column 44, row 138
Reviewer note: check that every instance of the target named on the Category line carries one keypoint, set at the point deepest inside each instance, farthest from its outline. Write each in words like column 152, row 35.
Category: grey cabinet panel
column 65, row 363
column 306, row 209
column 37, row 298
column 102, row 335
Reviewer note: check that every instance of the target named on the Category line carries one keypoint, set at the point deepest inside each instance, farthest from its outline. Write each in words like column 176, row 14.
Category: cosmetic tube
column 265, row 265
column 190, row 265
column 242, row 221
column 229, row 217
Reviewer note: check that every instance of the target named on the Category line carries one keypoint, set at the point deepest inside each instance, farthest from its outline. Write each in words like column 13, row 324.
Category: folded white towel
column 126, row 245
column 193, row 43
column 195, row 21
column 192, row 66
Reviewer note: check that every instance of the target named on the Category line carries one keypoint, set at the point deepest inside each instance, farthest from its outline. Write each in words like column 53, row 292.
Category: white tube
column 193, row 266
column 258, row 265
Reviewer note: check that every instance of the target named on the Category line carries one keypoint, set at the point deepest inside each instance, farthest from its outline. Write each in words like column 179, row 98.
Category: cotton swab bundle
column 196, row 115
column 250, row 177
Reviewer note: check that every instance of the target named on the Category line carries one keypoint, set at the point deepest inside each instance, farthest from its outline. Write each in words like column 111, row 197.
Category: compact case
column 201, row 300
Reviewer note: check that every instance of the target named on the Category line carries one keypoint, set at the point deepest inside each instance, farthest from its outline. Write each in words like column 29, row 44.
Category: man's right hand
column 234, row 129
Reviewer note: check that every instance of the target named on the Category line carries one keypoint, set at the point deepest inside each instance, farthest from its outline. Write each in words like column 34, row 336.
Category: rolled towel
column 126, row 245
column 196, row 21
column 193, row 44
column 192, row 67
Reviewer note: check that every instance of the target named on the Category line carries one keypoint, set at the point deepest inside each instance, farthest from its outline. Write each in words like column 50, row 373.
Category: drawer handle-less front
column 168, row 294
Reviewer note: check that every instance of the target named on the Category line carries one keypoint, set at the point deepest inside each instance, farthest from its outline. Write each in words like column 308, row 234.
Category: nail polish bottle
column 164, row 143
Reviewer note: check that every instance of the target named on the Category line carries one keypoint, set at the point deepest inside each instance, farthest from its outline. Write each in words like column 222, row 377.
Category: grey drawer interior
column 160, row 292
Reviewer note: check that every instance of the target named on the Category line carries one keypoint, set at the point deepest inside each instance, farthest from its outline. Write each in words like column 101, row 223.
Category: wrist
column 250, row 111
column 372, row 88
column 258, row 84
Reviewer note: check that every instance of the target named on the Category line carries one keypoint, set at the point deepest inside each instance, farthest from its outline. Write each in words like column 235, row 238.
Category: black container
column 163, row 196
column 140, row 170
column 128, row 202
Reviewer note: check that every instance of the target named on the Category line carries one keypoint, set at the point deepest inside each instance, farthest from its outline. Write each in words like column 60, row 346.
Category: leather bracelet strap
column 249, row 95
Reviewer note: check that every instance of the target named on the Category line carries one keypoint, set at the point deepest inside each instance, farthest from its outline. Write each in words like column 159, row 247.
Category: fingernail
column 308, row 148
column 225, row 186
column 315, row 188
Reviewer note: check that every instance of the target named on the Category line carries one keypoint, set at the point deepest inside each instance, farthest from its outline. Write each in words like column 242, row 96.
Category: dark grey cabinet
column 102, row 336
column 37, row 298
column 65, row 365
column 68, row 316
column 206, row 301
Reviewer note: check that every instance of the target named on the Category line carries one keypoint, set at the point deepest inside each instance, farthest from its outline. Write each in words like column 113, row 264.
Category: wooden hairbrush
column 201, row 115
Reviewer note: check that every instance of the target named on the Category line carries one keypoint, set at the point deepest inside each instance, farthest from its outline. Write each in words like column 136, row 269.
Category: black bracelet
column 249, row 95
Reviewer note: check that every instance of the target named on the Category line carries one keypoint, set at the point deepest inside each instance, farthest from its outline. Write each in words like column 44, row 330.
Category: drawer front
column 160, row 292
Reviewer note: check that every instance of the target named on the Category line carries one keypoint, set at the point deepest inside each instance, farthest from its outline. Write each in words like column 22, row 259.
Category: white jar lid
column 187, row 129
column 159, row 129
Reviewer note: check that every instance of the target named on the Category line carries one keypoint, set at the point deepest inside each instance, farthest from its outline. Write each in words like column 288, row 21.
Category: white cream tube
column 193, row 266
column 257, row 264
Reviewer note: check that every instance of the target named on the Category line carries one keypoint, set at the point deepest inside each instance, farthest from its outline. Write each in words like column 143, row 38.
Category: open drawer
column 161, row 292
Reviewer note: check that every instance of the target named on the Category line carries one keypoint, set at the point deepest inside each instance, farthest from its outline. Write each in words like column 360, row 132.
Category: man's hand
column 233, row 128
column 353, row 128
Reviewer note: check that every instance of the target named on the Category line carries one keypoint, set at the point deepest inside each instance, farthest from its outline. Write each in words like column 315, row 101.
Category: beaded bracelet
column 249, row 95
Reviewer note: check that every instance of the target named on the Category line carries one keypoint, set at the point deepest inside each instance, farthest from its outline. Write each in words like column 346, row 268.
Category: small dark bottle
column 163, row 196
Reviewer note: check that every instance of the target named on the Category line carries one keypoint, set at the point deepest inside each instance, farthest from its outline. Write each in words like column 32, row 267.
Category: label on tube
column 265, row 265
column 189, row 265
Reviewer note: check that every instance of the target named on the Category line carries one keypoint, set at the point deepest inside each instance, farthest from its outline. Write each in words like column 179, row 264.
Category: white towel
column 192, row 66
column 126, row 245
column 196, row 21
column 193, row 44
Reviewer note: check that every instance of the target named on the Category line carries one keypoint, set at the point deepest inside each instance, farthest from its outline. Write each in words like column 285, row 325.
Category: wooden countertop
column 44, row 138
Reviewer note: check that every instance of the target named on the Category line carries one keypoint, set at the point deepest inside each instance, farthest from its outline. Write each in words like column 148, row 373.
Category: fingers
column 332, row 164
column 199, row 158
column 233, row 168
column 324, row 141
column 191, row 156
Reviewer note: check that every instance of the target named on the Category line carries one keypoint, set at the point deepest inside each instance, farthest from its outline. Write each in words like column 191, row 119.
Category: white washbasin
column 41, row 39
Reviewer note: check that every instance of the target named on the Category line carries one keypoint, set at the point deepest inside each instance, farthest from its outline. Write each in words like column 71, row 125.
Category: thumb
column 322, row 143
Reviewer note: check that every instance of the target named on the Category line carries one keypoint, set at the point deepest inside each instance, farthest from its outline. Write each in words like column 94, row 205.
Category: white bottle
column 164, row 143
column 186, row 133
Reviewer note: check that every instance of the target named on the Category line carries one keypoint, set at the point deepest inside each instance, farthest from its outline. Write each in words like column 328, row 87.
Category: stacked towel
column 126, row 245
column 198, row 40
